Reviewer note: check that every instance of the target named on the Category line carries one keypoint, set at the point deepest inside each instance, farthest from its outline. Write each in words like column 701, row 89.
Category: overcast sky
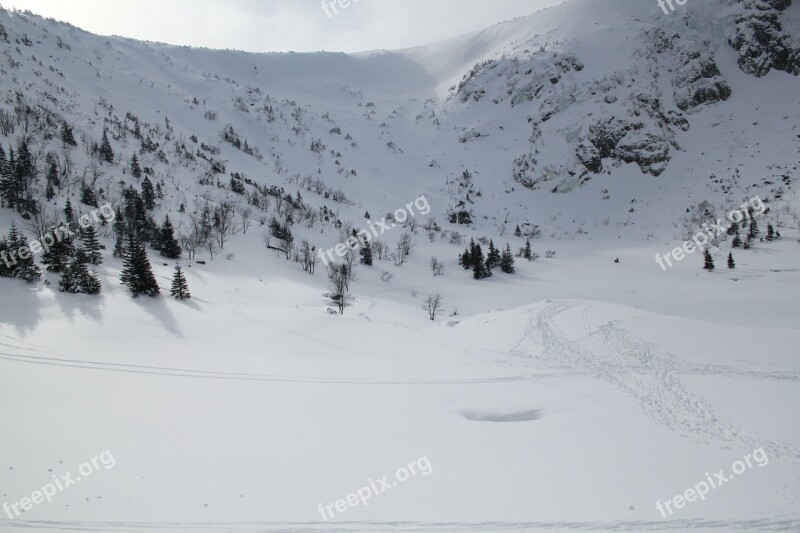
column 284, row 25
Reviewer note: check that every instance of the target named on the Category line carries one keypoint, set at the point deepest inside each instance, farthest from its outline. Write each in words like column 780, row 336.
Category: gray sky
column 283, row 25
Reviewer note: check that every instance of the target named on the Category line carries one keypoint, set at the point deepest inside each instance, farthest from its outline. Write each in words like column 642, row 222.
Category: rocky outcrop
column 760, row 39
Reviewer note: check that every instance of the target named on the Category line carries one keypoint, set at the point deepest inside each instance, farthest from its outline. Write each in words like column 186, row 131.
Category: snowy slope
column 572, row 395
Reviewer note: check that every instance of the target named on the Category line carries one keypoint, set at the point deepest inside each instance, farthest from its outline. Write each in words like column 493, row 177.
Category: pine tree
column 493, row 257
column 479, row 270
column 119, row 233
column 737, row 241
column 57, row 256
column 366, row 253
column 528, row 253
column 507, row 261
column 8, row 179
column 733, row 229
column 69, row 213
column 754, row 231
column 731, row 262
column 106, row 152
column 709, row 261
column 136, row 170
column 137, row 273
column 66, row 135
column 77, row 278
column 25, row 268
column 167, row 243
column 517, row 232
column 91, row 245
column 180, row 287
column 465, row 260
column 770, row 233
column 148, row 194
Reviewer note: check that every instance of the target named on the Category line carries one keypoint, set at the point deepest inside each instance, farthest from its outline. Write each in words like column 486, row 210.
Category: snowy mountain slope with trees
column 572, row 388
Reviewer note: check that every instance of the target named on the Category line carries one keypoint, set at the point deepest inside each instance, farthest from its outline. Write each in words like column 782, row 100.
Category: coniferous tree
column 733, row 229
column 91, row 245
column 67, row 136
column 731, row 262
column 69, row 213
column 76, row 277
column 57, row 256
column 119, row 233
column 167, row 243
column 25, row 267
column 737, row 240
column 493, row 257
column 465, row 260
column 528, row 253
column 105, row 151
column 770, row 233
column 137, row 273
column 479, row 270
column 180, row 287
column 148, row 194
column 709, row 261
column 754, row 231
column 8, row 180
column 507, row 261
column 366, row 253
column 517, row 232
column 88, row 197
column 136, row 170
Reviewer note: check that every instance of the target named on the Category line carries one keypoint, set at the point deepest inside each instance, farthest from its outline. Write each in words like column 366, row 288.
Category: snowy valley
column 574, row 382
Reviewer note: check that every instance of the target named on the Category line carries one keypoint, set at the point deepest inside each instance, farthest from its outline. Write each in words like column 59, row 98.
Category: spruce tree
column 106, row 152
column 167, row 243
column 465, row 260
column 709, row 261
column 517, row 232
column 77, row 278
column 507, row 261
column 137, row 273
column 737, row 240
column 57, row 256
column 731, row 262
column 770, row 233
column 67, row 137
column 119, row 233
column 528, row 253
column 148, row 194
column 136, row 170
column 754, row 231
column 366, row 253
column 479, row 270
column 91, row 245
column 25, row 268
column 493, row 257
column 69, row 213
column 180, row 287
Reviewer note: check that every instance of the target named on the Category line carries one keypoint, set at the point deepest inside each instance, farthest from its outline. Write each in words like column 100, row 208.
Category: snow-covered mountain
column 573, row 393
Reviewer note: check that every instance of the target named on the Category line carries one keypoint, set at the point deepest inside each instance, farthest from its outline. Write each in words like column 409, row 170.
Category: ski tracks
column 645, row 373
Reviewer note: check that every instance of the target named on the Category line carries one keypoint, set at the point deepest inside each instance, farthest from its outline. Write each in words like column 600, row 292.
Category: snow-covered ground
column 573, row 395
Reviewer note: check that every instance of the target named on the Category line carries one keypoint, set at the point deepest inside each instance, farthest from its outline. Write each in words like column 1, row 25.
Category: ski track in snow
column 664, row 525
column 648, row 375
